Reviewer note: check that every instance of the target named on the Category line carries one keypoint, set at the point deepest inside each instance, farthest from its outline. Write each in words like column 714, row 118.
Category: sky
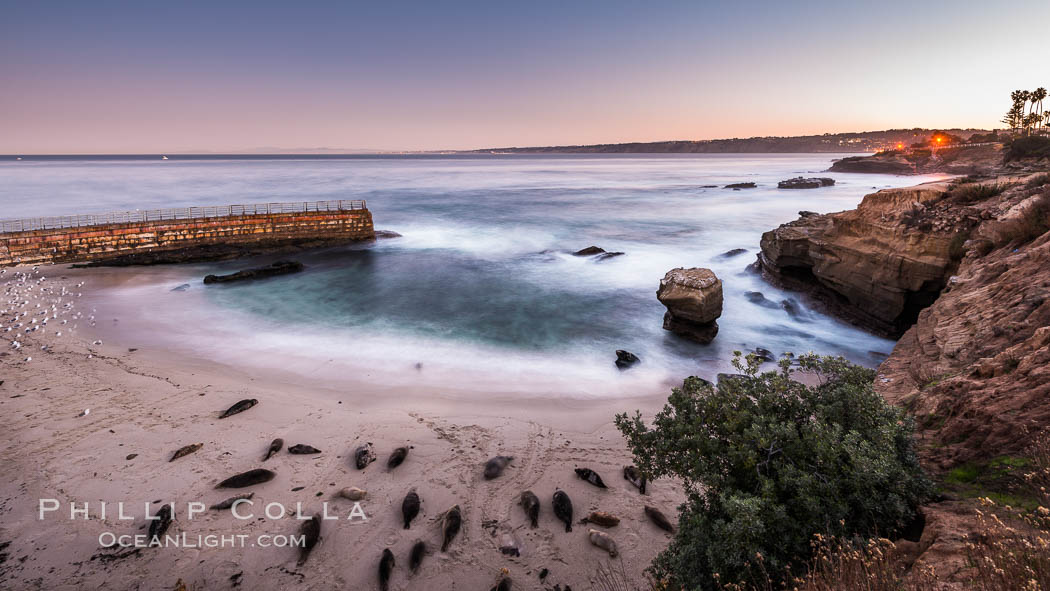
column 227, row 76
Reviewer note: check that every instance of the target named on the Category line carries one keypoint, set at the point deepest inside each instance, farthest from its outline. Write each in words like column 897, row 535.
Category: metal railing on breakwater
column 175, row 213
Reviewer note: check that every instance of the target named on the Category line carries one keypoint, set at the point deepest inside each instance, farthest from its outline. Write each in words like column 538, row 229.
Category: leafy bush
column 1032, row 146
column 767, row 462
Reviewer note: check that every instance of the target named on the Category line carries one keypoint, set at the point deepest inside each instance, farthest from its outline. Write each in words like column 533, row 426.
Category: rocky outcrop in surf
column 693, row 298
column 804, row 183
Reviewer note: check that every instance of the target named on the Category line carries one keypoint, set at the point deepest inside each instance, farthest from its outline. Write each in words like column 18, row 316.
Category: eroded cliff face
column 961, row 272
column 877, row 265
column 975, row 368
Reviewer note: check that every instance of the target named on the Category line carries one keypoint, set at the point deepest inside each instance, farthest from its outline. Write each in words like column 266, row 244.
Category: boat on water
column 163, row 157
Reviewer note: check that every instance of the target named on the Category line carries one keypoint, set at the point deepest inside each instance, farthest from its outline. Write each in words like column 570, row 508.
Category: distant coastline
column 864, row 141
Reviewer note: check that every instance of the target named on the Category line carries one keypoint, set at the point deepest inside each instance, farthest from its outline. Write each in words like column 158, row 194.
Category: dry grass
column 973, row 192
column 1038, row 181
column 1013, row 551
column 1034, row 223
column 838, row 565
column 613, row 576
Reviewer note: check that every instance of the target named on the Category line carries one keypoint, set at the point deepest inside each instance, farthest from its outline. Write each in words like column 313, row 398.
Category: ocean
column 481, row 292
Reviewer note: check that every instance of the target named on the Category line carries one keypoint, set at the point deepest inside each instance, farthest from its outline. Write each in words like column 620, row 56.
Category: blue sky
column 166, row 76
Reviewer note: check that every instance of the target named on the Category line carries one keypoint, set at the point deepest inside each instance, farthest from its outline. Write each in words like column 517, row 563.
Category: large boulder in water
column 693, row 298
column 804, row 183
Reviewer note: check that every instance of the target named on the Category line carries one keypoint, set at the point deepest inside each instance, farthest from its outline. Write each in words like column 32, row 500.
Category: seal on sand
column 310, row 530
column 275, row 446
column 410, row 507
column 563, row 508
column 601, row 518
column 241, row 406
column 363, row 456
column 494, row 467
column 353, row 493
column 590, row 476
column 632, row 475
column 386, row 566
column 419, row 550
column 396, row 458
column 160, row 524
column 603, row 541
column 659, row 519
column 531, row 503
column 452, row 522
column 256, row 476
column 185, row 451
column 302, row 449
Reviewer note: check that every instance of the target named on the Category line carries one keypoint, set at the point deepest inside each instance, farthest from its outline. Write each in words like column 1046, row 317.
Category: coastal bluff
column 184, row 234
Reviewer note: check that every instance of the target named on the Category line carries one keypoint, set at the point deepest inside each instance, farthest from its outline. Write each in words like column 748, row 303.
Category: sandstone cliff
column 975, row 368
column 877, row 265
column 961, row 271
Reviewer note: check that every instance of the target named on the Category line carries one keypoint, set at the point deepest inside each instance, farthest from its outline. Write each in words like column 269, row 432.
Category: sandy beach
column 92, row 423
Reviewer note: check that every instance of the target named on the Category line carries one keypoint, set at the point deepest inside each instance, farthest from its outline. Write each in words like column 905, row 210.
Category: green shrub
column 1032, row 146
column 767, row 462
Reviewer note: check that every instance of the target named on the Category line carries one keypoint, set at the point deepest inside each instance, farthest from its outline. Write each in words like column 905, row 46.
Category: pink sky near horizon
column 140, row 82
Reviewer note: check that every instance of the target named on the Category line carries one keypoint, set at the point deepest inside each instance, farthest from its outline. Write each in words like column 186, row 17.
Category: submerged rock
column 693, row 298
column 589, row 251
column 756, row 297
column 625, row 359
column 278, row 268
column 804, row 183
column 732, row 253
column 741, row 186
column 387, row 234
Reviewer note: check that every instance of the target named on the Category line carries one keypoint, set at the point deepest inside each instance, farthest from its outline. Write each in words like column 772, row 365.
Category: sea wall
column 158, row 241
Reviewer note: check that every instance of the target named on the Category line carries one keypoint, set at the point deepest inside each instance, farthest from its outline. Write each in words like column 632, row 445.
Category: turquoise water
column 481, row 288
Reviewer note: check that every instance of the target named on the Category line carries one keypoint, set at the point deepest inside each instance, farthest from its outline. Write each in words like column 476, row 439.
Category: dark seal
column 590, row 476
column 241, row 406
column 531, row 504
column 249, row 478
column 563, row 508
column 410, row 507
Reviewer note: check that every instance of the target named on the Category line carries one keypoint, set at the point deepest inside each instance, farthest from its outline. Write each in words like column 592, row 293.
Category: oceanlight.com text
column 184, row 540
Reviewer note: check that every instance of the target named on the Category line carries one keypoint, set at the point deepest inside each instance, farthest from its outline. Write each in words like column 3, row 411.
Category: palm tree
column 1015, row 116
column 1037, row 96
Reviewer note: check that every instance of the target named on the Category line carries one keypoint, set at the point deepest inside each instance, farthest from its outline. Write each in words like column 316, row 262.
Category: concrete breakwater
column 184, row 234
